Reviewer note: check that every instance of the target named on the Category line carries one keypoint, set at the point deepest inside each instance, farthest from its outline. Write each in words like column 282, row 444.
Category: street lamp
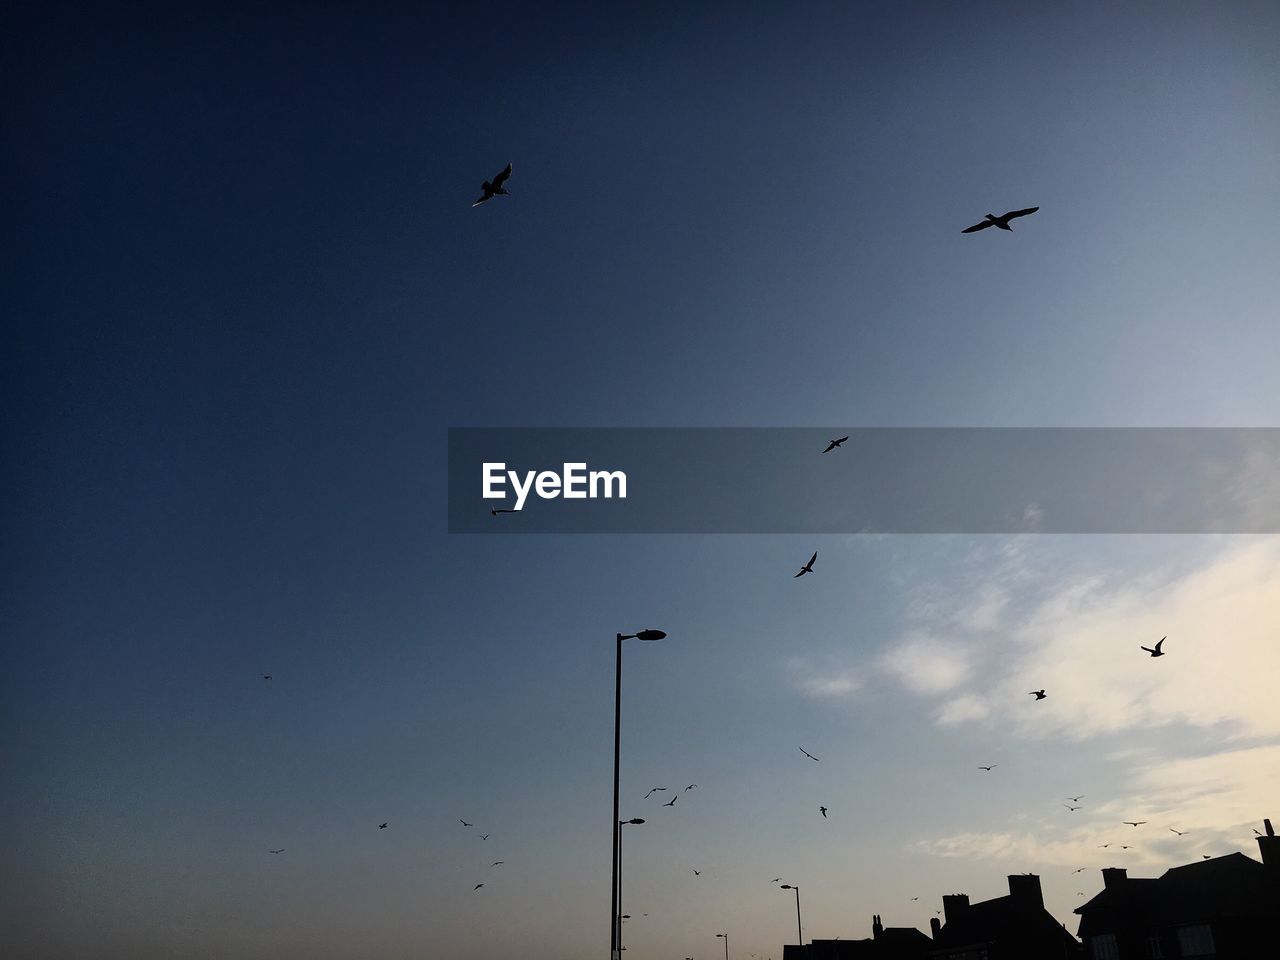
column 799, row 932
column 726, row 944
column 622, row 916
column 615, row 829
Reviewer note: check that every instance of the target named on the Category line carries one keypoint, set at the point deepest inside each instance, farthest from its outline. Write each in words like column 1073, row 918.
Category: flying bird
column 776, row 880
column 1134, row 823
column 1178, row 832
column 497, row 863
column 808, row 567
column 464, row 823
column 1081, row 870
column 1071, row 808
column 673, row 801
column 915, row 898
column 1125, row 847
column 808, row 754
column 697, row 873
column 1156, row 651
column 495, row 188
column 1001, row 221
column 382, row 826
column 824, row 812
column 689, row 787
column 653, row 791
column 266, row 676
column 484, row 836
column 834, row 443
column 1077, row 799
column 1204, row 856
column 1103, row 846
column 281, row 850
column 990, row 768
column 1038, row 694
column 476, row 887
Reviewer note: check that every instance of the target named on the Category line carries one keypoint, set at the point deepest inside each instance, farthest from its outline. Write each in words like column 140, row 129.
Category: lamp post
column 615, row 830
column 799, row 931
column 726, row 944
column 622, row 916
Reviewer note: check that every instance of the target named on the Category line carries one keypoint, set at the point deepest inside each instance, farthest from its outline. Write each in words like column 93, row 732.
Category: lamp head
column 650, row 635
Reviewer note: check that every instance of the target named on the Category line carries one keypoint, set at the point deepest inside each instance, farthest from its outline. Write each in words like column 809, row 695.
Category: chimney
column 1024, row 888
column 1269, row 846
column 877, row 927
column 1113, row 877
column 935, row 927
column 954, row 905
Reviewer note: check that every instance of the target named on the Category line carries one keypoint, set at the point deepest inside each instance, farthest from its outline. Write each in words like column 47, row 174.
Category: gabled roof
column 1004, row 918
column 1230, row 886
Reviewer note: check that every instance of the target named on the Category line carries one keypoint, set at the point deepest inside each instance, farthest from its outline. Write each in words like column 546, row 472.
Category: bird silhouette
column 808, row 754
column 382, row 826
column 1156, row 651
column 689, row 787
column 1178, row 832
column 834, row 443
column 281, row 850
column 776, row 880
column 499, row 510
column 672, row 802
column 1001, row 221
column 495, row 188
column 915, row 898
column 1081, row 870
column 1134, row 823
column 697, row 873
column 497, row 863
column 464, row 823
column 990, row 768
column 652, row 791
column 1125, row 847
column 266, row 676
column 1038, row 694
column 484, row 836
column 1103, row 846
column 1077, row 799
column 476, row 887
column 808, row 567
column 1204, row 856
column 823, row 810
column 1071, row 808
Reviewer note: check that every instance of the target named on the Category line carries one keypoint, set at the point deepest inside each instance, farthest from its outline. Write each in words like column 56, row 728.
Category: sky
column 246, row 297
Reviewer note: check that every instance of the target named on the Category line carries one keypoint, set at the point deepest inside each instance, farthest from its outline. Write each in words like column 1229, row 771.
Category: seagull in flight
column 1103, row 846
column 1178, row 832
column 281, row 850
column 915, row 898
column 776, row 880
column 476, row 887
column 808, row 754
column 1071, row 808
column 1156, row 651
column 266, row 676
column 497, row 863
column 823, row 810
column 495, row 188
column 652, row 791
column 990, row 768
column 689, row 787
column 484, row 836
column 464, row 823
column 382, row 826
column 834, row 443
column 1134, row 823
column 673, row 801
column 1125, row 847
column 1081, row 870
column 697, row 873
column 1077, row 799
column 1001, row 221
column 808, row 567
column 1038, row 694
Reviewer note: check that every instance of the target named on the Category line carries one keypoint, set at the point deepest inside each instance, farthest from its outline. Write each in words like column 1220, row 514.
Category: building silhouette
column 1014, row 927
column 1225, row 907
column 885, row 943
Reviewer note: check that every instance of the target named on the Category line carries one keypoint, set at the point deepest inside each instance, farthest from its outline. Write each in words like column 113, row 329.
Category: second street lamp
column 726, row 944
column 615, row 830
column 799, row 930
column 635, row 821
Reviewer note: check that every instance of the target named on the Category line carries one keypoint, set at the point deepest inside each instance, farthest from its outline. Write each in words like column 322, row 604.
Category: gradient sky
column 247, row 295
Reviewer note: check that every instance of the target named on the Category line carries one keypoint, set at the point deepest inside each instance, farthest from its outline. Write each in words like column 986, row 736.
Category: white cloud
column 926, row 665
column 962, row 709
column 830, row 687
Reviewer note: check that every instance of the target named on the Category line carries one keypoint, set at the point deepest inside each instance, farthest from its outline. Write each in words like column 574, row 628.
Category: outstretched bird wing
column 487, row 196
column 977, row 226
column 1019, row 213
column 501, row 178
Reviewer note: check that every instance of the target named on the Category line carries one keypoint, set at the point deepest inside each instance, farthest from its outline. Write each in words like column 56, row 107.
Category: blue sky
column 248, row 295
